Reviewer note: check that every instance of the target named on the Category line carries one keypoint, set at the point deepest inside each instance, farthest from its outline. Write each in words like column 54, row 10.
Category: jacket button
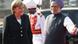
column 21, row 31
column 21, row 35
column 20, row 27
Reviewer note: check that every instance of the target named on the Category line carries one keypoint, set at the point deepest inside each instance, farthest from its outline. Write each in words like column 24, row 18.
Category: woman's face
column 55, row 8
column 19, row 11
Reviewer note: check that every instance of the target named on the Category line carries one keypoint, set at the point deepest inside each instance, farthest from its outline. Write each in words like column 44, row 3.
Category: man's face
column 55, row 8
column 32, row 10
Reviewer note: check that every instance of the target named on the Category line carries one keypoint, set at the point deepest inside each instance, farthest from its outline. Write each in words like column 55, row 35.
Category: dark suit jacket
column 14, row 33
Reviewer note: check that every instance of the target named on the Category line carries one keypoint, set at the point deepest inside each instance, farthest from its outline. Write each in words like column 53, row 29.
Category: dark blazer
column 15, row 33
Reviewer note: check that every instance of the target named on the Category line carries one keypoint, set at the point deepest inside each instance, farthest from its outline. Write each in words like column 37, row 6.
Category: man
column 35, row 21
column 55, row 24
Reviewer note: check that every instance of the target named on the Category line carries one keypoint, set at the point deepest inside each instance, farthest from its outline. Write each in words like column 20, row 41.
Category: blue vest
column 55, row 29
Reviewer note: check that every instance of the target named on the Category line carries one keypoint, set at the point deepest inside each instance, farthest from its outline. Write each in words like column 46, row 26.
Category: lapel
column 23, row 20
column 15, row 20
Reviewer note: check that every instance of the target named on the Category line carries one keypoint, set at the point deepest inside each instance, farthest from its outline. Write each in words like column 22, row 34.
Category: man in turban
column 36, row 22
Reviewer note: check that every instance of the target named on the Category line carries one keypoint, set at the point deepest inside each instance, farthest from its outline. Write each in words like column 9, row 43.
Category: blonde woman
column 17, row 26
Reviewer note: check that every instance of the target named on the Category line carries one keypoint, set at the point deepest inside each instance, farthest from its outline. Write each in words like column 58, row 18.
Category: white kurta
column 37, row 38
column 68, row 23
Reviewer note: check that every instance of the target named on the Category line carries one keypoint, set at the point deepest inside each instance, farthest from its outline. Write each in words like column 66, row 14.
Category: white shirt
column 38, row 25
column 68, row 23
column 19, row 21
column 42, row 19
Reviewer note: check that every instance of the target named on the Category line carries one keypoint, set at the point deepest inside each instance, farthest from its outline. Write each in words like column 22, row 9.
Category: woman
column 17, row 26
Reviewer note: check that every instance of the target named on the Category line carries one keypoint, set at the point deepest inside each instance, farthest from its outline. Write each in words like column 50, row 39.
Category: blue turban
column 59, row 2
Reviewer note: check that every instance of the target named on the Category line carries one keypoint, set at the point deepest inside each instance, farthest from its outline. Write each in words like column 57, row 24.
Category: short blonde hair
column 16, row 3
